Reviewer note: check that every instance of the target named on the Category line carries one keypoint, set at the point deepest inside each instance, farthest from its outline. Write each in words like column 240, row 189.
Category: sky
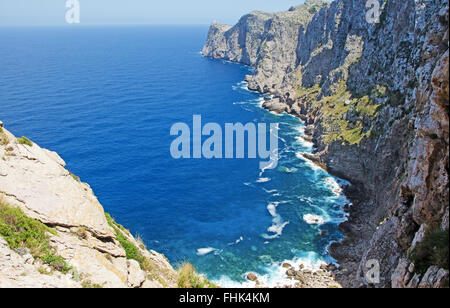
column 52, row 12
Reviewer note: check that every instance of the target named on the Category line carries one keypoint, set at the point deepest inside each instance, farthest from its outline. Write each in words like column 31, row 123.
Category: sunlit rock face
column 375, row 99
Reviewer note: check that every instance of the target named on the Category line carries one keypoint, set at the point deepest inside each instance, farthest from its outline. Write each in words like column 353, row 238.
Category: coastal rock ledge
column 85, row 244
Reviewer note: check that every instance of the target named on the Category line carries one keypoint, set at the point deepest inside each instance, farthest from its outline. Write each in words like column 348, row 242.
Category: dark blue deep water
column 105, row 98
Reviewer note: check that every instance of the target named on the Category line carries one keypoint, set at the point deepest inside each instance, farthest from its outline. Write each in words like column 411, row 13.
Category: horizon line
column 97, row 24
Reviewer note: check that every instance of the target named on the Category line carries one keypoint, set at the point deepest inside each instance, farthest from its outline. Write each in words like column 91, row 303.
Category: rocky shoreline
column 374, row 98
column 304, row 278
column 327, row 276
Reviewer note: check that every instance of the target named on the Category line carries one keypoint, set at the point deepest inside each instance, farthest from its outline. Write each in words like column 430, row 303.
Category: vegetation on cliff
column 4, row 140
column 24, row 140
column 433, row 250
column 21, row 231
column 131, row 250
column 188, row 278
column 343, row 117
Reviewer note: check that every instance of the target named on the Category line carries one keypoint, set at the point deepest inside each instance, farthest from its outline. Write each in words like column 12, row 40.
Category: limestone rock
column 276, row 106
column 39, row 184
column 136, row 276
column 16, row 272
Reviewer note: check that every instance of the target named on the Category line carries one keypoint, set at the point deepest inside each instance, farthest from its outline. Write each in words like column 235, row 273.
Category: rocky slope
column 375, row 100
column 99, row 251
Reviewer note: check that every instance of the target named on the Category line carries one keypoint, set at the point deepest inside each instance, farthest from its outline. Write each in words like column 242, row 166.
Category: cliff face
column 375, row 99
column 99, row 251
column 264, row 41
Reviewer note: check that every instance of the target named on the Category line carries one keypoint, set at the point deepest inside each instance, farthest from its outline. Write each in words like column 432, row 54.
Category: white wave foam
column 309, row 162
column 227, row 282
column 275, row 273
column 262, row 180
column 313, row 219
column 300, row 129
column 243, row 85
column 305, row 143
column 278, row 224
column 287, row 170
column 260, row 102
column 205, row 251
column 272, row 208
column 240, row 239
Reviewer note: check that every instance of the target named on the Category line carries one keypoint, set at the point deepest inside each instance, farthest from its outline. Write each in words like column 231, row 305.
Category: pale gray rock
column 398, row 277
column 136, row 276
column 37, row 181
column 17, row 272
column 418, row 238
column 434, row 278
column 276, row 106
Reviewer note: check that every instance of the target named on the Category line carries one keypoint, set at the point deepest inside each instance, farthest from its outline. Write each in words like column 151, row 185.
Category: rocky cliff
column 375, row 100
column 55, row 233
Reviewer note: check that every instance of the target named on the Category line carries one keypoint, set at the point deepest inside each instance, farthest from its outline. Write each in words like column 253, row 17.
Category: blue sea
column 105, row 99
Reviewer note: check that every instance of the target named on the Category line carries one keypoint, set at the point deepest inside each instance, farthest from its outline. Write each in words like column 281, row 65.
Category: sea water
column 105, row 98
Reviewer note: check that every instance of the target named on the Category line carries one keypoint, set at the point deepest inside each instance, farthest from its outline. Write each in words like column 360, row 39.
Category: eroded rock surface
column 18, row 271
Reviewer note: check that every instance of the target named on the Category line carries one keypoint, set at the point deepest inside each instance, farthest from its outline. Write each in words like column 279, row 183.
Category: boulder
column 252, row 277
column 136, row 276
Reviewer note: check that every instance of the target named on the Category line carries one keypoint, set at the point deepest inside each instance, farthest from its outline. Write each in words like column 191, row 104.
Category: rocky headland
column 375, row 100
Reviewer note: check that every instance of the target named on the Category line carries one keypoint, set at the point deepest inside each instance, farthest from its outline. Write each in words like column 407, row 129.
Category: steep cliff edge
column 375, row 99
column 54, row 232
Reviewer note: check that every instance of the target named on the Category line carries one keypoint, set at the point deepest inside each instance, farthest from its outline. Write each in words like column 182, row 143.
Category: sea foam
column 205, row 251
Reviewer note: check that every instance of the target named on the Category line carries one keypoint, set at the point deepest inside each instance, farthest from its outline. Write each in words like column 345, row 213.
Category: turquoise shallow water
column 105, row 99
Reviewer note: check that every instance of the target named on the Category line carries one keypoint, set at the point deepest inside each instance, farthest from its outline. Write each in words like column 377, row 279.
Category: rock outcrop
column 375, row 100
column 18, row 271
column 36, row 181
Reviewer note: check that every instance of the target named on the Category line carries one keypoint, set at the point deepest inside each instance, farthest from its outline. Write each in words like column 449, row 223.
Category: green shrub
column 313, row 10
column 57, row 263
column 4, row 140
column 19, row 230
column 24, row 140
column 433, row 250
column 186, row 274
column 131, row 250
column 434, row 136
column 75, row 177
column 189, row 279
column 87, row 284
